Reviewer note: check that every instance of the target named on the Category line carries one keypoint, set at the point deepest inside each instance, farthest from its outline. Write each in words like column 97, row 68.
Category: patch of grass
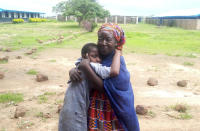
column 3, row 129
column 22, row 124
column 3, row 61
column 49, row 93
column 140, row 38
column 180, row 107
column 11, row 97
column 191, row 56
column 39, row 114
column 151, row 114
column 32, row 72
column 177, row 55
column 42, row 99
column 188, row 64
column 185, row 116
column 52, row 60
column 57, row 102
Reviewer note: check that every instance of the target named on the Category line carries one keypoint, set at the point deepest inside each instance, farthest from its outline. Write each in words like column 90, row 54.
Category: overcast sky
column 116, row 7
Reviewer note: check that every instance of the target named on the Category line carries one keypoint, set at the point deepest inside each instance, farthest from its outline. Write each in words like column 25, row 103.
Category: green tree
column 60, row 7
column 81, row 9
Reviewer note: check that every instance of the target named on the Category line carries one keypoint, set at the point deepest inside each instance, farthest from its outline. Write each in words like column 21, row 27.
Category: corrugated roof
column 3, row 10
column 187, row 12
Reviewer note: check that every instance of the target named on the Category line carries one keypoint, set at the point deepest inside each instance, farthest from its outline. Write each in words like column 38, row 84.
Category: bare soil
column 55, row 63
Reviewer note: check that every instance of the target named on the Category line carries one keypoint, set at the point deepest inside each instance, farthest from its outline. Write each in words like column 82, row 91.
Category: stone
column 41, row 77
column 34, row 50
column 18, row 57
column 180, row 108
column 59, row 108
column 182, row 83
column 19, row 42
column 47, row 115
column 1, row 75
column 29, row 52
column 152, row 82
column 20, row 112
column 39, row 41
column 59, row 41
column 4, row 58
column 141, row 110
column 8, row 50
column 196, row 93
column 61, row 37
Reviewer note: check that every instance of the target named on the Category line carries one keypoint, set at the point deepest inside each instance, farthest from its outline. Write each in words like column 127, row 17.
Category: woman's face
column 106, row 43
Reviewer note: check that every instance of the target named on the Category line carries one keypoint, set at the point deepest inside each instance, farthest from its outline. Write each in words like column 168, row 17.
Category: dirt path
column 56, row 63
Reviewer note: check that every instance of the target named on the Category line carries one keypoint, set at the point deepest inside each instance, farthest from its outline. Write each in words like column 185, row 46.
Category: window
column 12, row 15
column 6, row 14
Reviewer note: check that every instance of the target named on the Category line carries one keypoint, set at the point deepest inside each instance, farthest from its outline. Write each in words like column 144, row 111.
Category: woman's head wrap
column 117, row 32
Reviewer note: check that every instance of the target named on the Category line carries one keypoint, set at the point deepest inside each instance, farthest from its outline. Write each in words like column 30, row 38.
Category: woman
column 111, row 100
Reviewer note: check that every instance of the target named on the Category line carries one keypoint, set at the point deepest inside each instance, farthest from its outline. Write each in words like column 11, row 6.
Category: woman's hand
column 75, row 75
column 118, row 51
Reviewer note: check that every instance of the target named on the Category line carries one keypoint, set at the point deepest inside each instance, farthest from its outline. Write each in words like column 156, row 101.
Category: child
column 73, row 116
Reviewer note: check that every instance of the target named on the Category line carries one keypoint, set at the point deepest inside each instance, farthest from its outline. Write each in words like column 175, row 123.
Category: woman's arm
column 115, row 66
column 75, row 75
column 91, row 75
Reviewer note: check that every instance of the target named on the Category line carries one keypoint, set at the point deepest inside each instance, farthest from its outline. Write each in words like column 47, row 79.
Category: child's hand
column 84, row 63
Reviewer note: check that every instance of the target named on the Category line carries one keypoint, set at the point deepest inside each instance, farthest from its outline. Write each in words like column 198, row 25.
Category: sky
column 116, row 7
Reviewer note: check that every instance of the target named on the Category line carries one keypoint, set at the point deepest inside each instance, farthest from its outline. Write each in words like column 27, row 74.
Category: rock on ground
column 1, row 75
column 141, row 110
column 8, row 50
column 182, row 83
column 152, row 82
column 180, row 108
column 59, row 108
column 41, row 77
column 20, row 112
column 4, row 58
column 18, row 57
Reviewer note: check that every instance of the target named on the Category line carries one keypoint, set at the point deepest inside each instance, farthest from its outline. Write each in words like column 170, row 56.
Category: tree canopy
column 81, row 9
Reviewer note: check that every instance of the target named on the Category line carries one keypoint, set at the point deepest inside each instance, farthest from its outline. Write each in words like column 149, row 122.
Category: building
column 8, row 15
column 187, row 19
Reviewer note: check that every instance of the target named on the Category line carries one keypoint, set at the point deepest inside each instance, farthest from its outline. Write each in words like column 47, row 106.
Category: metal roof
column 181, row 13
column 5, row 10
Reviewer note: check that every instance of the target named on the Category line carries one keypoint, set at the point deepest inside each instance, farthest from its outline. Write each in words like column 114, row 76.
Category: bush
column 37, row 20
column 16, row 21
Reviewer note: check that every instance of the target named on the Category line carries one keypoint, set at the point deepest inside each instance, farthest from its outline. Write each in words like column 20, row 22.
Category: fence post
column 66, row 18
column 95, row 19
column 124, row 19
column 106, row 20
column 116, row 19
column 136, row 19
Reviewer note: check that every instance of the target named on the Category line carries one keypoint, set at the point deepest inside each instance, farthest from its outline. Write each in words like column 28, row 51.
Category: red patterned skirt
column 101, row 116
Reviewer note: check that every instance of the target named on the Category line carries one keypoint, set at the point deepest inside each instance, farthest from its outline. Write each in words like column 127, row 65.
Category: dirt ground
column 56, row 63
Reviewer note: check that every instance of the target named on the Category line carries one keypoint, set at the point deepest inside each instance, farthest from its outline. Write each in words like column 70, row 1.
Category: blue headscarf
column 120, row 94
